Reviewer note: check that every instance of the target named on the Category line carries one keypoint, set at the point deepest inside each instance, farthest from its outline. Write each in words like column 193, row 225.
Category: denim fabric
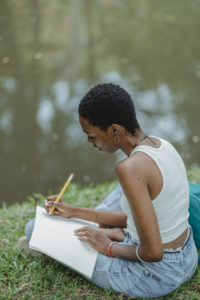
column 147, row 279
column 112, row 201
column 29, row 228
column 140, row 279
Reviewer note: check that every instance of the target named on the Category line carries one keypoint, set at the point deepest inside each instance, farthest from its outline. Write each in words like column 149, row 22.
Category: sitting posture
column 155, row 253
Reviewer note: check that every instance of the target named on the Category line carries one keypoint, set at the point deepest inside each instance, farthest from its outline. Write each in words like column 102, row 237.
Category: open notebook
column 54, row 236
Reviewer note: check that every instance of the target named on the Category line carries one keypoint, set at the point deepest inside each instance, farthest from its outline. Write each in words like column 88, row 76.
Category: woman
column 156, row 253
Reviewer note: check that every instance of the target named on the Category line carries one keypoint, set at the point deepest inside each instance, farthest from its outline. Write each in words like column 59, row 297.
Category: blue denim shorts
column 147, row 279
column 141, row 279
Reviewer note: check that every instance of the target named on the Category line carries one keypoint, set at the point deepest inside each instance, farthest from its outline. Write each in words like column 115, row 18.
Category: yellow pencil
column 62, row 191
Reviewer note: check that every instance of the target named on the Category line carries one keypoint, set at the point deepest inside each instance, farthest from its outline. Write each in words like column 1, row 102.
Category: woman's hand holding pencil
column 62, row 208
column 54, row 205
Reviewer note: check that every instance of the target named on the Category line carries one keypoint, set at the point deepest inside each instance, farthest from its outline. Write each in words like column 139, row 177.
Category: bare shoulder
column 139, row 162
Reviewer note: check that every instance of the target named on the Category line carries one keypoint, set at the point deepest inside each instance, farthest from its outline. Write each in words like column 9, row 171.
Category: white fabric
column 171, row 205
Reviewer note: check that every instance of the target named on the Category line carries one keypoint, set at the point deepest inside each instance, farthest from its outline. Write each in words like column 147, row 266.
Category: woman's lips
column 97, row 147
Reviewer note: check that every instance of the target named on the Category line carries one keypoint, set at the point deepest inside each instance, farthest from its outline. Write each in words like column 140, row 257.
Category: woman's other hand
column 97, row 239
column 62, row 208
column 115, row 234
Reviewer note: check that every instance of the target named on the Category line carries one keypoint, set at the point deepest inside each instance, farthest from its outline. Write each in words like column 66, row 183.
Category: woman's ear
column 116, row 130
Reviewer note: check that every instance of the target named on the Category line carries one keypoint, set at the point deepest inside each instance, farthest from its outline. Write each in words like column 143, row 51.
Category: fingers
column 52, row 198
column 97, row 239
column 84, row 234
column 81, row 229
column 51, row 203
column 48, row 204
column 84, row 229
column 87, row 234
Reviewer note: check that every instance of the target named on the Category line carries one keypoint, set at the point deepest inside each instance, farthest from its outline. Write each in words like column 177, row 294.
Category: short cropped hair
column 107, row 104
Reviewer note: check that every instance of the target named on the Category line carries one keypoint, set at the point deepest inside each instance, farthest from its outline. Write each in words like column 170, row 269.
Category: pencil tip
column 71, row 176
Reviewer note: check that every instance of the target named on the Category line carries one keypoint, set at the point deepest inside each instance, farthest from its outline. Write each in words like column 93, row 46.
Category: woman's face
column 103, row 140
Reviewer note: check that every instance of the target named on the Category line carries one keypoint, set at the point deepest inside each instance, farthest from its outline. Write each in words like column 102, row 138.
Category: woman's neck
column 129, row 141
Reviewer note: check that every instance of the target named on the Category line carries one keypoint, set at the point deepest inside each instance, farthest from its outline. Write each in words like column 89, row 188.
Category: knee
column 29, row 228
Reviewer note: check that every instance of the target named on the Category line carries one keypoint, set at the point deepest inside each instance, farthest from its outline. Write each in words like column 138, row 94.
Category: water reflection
column 159, row 105
column 45, row 115
column 51, row 54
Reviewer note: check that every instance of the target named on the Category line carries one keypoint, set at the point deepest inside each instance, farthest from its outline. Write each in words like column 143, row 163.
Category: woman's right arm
column 114, row 218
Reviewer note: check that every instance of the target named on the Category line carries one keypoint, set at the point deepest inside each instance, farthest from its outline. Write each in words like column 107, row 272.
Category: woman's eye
column 91, row 138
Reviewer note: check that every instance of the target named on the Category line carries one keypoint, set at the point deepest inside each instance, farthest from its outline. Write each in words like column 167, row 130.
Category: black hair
column 107, row 104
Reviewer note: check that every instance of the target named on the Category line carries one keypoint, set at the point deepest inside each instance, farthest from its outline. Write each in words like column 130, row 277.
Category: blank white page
column 54, row 236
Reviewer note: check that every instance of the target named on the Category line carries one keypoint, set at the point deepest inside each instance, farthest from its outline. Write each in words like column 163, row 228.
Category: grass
column 42, row 277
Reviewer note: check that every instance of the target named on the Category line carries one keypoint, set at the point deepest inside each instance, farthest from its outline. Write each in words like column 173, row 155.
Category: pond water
column 52, row 52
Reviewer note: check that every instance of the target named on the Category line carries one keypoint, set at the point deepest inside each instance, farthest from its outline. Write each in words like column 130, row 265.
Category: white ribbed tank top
column 172, row 204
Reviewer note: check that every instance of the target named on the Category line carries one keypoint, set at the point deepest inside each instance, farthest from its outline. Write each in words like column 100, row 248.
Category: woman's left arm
column 134, row 181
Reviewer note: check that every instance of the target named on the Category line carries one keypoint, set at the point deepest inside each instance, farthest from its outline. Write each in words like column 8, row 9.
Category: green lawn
column 42, row 277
